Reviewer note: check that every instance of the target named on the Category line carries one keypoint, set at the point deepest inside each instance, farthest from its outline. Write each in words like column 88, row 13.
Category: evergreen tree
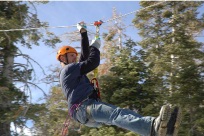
column 174, row 57
column 51, row 120
column 127, row 78
column 13, row 101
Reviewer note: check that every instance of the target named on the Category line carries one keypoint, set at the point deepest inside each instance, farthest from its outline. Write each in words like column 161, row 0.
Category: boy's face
column 72, row 57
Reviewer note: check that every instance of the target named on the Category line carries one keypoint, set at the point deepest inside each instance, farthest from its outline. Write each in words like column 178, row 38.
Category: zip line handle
column 97, row 24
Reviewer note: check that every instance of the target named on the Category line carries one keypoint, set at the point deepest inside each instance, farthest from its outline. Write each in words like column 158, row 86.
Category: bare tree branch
column 29, row 58
column 33, row 84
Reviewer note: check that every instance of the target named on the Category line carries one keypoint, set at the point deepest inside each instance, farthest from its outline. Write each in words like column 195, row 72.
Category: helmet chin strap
column 66, row 58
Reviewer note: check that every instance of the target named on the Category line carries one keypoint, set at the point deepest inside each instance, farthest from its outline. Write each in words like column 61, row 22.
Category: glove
column 96, row 43
column 81, row 25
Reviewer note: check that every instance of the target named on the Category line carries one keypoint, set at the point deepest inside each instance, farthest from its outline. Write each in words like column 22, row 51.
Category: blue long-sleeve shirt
column 75, row 84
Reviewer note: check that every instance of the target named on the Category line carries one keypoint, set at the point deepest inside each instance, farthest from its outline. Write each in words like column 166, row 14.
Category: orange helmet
column 64, row 50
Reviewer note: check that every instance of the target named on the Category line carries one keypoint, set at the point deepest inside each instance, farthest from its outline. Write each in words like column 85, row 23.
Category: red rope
column 67, row 121
column 66, row 125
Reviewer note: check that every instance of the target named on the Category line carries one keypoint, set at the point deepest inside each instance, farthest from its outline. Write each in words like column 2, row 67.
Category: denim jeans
column 103, row 113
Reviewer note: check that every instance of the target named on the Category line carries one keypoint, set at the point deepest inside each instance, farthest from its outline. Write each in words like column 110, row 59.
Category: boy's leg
column 124, row 118
column 112, row 115
column 174, row 123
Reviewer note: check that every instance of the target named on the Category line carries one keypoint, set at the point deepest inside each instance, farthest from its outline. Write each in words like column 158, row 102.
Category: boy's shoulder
column 72, row 67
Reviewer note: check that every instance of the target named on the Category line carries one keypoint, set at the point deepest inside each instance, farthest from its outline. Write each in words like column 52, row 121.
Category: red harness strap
column 94, row 82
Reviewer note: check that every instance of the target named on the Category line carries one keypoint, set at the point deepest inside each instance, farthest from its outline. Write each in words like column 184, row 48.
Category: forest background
column 152, row 54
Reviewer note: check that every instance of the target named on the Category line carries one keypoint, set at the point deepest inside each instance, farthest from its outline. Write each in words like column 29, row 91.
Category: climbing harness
column 68, row 119
column 94, row 81
column 97, row 24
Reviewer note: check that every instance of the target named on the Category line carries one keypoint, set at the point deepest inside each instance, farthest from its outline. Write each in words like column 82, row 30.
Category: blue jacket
column 75, row 84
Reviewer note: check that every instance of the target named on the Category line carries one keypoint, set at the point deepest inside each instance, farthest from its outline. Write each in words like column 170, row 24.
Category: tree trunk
column 5, row 105
column 5, row 129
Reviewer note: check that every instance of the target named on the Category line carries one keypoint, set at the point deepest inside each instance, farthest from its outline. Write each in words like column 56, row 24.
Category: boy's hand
column 81, row 27
column 96, row 43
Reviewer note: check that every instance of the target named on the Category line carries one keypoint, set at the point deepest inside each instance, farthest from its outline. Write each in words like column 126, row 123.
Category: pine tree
column 174, row 57
column 13, row 101
column 51, row 120
column 127, row 78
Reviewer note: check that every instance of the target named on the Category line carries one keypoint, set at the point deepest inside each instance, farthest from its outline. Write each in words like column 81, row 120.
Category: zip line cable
column 35, row 28
column 133, row 12
column 91, row 24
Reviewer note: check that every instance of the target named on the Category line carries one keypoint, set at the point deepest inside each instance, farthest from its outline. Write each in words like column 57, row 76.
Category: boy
column 84, row 105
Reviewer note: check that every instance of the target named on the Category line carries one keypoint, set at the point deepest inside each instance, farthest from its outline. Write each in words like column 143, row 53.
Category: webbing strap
column 95, row 83
column 95, row 72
